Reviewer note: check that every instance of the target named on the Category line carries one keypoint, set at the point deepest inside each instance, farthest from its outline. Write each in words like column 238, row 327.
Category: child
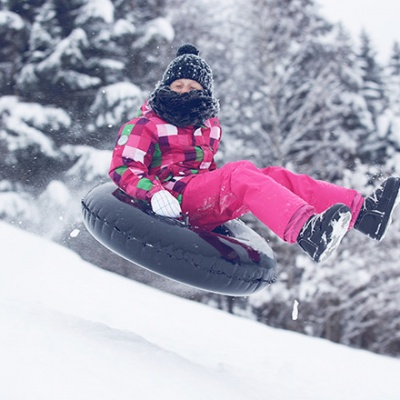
column 166, row 157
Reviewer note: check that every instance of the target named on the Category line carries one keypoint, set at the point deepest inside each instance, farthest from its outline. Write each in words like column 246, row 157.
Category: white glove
column 163, row 203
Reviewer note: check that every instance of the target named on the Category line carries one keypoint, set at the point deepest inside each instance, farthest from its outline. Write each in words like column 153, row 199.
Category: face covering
column 186, row 109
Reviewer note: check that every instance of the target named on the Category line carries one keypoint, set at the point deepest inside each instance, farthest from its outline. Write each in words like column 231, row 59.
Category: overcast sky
column 380, row 18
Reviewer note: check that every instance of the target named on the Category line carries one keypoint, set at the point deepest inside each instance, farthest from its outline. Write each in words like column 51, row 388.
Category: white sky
column 380, row 19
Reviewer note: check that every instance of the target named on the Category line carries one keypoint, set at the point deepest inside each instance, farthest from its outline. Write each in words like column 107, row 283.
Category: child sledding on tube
column 166, row 157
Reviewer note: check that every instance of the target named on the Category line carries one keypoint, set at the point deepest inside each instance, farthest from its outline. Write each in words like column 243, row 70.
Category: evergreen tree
column 347, row 115
column 13, row 36
column 373, row 85
column 74, row 72
column 374, row 146
column 287, row 88
column 393, row 85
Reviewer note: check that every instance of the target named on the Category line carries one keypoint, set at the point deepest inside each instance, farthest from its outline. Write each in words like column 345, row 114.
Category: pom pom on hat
column 189, row 65
column 187, row 49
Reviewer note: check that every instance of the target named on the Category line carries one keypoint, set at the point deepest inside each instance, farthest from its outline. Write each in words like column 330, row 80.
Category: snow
column 56, row 194
column 79, row 81
column 70, row 330
column 92, row 163
column 123, row 27
column 158, row 27
column 26, row 122
column 114, row 101
column 96, row 9
column 27, row 136
column 12, row 20
column 17, row 206
column 70, row 48
column 295, row 310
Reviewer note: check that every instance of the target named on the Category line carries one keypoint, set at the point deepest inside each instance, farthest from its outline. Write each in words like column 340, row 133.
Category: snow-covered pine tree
column 73, row 79
column 281, row 91
column 13, row 34
column 346, row 114
column 373, row 148
column 373, row 85
column 393, row 86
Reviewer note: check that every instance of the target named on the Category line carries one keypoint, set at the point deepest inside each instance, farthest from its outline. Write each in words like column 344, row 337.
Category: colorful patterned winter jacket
column 152, row 155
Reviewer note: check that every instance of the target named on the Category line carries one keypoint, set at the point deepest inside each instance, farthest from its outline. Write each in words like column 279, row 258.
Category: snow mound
column 72, row 331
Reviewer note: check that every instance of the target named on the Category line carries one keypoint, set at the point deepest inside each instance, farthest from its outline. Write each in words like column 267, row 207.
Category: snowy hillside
column 72, row 331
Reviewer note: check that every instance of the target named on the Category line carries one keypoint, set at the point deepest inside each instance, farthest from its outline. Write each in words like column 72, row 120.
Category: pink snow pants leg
column 280, row 199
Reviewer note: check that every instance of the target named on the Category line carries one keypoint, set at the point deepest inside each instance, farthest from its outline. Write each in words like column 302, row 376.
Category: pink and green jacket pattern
column 152, row 155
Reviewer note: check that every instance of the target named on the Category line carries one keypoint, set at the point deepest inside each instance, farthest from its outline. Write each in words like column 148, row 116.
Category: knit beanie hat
column 189, row 65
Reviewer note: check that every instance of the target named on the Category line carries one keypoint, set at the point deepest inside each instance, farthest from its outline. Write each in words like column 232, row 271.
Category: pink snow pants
column 279, row 198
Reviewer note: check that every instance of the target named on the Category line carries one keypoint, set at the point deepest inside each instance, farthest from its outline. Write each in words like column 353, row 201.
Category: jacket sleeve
column 132, row 157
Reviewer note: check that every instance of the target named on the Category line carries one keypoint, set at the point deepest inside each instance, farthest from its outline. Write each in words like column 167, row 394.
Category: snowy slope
column 69, row 330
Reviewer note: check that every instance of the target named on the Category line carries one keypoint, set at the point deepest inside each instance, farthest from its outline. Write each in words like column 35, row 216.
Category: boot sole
column 340, row 228
column 387, row 220
column 393, row 187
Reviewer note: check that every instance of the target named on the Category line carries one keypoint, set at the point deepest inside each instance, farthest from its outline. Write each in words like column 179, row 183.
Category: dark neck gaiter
column 186, row 109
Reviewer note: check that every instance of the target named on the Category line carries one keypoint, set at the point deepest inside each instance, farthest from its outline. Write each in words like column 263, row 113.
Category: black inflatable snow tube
column 231, row 260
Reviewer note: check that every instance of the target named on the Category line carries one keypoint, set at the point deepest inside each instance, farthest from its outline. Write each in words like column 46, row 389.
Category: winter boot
column 376, row 213
column 322, row 233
